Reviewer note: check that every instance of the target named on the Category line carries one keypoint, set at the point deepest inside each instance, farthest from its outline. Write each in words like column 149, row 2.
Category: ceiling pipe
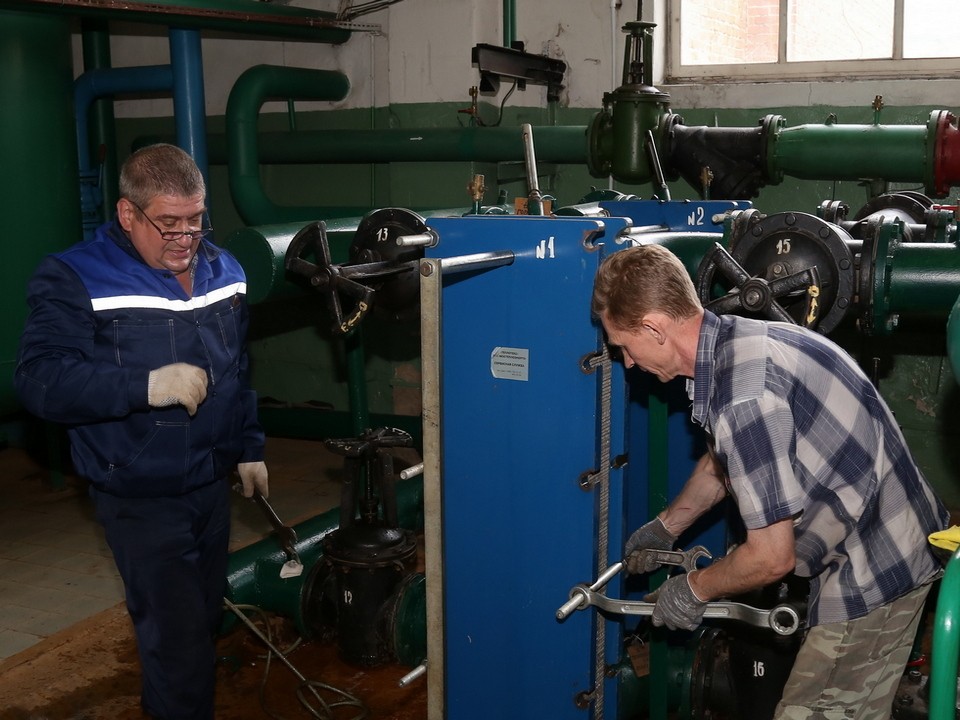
column 240, row 16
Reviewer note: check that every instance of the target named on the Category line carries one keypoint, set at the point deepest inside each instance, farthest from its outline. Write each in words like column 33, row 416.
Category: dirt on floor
column 91, row 672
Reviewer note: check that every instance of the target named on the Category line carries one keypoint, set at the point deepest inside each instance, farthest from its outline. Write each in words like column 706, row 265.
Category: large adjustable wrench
column 783, row 619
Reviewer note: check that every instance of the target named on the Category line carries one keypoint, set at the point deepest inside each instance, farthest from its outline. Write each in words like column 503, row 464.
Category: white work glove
column 254, row 475
column 177, row 384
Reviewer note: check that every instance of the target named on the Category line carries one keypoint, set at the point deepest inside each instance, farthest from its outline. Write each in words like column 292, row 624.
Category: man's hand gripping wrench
column 783, row 619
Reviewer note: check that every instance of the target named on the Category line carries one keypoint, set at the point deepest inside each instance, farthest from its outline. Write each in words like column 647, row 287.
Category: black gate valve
column 339, row 282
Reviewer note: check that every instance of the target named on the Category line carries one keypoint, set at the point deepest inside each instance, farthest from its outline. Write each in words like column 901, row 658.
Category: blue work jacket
column 100, row 320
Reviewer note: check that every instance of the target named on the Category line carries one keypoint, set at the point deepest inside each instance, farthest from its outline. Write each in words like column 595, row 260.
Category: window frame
column 896, row 67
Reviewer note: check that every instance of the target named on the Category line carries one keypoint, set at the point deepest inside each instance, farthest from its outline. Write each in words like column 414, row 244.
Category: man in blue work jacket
column 136, row 342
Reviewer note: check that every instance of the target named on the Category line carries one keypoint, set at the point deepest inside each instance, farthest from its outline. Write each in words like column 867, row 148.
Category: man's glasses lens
column 174, row 235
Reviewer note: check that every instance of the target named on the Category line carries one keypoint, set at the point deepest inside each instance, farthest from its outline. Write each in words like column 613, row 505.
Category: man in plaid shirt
column 819, row 470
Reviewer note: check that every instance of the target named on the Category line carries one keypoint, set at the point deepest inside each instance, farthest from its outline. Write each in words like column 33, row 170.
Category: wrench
column 783, row 619
column 286, row 535
column 687, row 559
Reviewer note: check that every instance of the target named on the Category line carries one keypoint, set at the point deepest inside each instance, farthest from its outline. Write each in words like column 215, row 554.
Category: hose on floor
column 309, row 691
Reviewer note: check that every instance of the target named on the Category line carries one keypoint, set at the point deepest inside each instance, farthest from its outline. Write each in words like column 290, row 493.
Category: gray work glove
column 177, row 384
column 677, row 605
column 652, row 536
column 254, row 475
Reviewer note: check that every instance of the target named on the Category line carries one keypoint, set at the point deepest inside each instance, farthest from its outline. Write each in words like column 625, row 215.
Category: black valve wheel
column 790, row 267
column 755, row 295
column 349, row 287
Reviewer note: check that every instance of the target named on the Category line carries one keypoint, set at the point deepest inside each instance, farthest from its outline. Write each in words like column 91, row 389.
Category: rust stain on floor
column 91, row 672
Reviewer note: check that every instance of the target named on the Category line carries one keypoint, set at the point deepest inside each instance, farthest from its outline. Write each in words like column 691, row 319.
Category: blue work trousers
column 172, row 555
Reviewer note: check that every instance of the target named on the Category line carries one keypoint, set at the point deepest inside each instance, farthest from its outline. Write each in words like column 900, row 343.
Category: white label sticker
column 510, row 363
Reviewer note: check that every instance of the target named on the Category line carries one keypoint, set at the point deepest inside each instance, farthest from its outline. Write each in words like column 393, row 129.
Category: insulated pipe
column 251, row 90
column 256, row 85
column 554, row 144
column 262, row 252
column 189, row 101
column 240, row 16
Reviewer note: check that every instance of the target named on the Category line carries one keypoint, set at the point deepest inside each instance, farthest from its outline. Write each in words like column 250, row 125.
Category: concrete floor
column 55, row 567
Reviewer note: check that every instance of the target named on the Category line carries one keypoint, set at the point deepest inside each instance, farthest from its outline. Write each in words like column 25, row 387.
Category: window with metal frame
column 764, row 40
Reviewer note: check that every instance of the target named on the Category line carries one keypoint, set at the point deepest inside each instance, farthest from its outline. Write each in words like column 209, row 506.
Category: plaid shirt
column 802, row 433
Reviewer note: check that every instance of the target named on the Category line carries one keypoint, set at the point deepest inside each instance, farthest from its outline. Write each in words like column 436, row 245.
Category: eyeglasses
column 173, row 235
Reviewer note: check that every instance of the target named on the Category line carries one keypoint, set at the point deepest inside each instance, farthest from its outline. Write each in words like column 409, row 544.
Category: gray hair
column 160, row 169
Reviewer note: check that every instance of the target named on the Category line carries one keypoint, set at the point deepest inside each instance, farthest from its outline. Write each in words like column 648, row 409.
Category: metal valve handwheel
column 349, row 297
column 792, row 267
column 756, row 295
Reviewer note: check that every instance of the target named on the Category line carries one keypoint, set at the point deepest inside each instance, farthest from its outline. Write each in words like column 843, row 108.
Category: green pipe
column 356, row 381
column 253, row 572
column 40, row 167
column 897, row 153
column 509, row 22
column 248, row 17
column 562, row 144
column 953, row 339
column 924, row 279
column 946, row 645
column 690, row 247
column 250, row 91
column 262, row 251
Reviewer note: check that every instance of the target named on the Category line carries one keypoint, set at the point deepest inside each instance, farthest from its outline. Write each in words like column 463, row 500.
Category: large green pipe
column 257, row 84
column 239, row 16
column 946, row 645
column 38, row 182
column 924, row 279
column 851, row 152
column 251, row 90
column 953, row 339
column 560, row 144
column 262, row 251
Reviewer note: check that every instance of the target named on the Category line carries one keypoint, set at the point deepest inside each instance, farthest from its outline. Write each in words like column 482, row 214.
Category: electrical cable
column 502, row 102
column 313, row 686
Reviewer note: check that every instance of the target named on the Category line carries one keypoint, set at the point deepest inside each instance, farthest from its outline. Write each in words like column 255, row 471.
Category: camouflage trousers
column 851, row 670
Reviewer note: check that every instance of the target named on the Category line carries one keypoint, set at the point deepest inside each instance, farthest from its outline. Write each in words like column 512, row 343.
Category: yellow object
column 948, row 539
